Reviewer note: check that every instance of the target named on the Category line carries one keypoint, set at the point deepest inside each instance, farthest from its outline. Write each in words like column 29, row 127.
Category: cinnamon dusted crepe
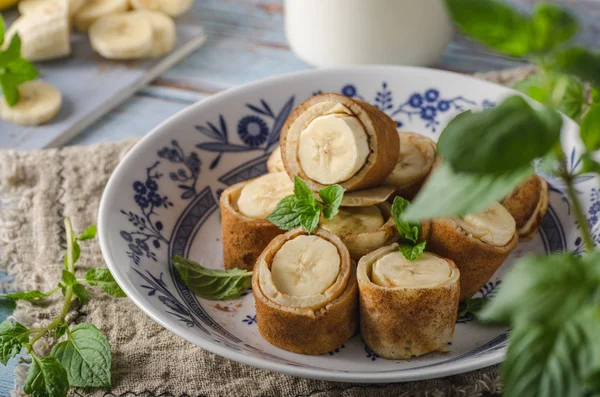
column 305, row 292
column 528, row 205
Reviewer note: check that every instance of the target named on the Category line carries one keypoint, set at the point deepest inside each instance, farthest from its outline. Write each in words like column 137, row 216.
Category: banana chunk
column 39, row 102
column 305, row 266
column 172, row 8
column 275, row 163
column 416, row 157
column 354, row 220
column 332, row 148
column 93, row 10
column 44, row 35
column 260, row 197
column 122, row 36
column 394, row 270
column 43, row 6
column 494, row 226
column 163, row 32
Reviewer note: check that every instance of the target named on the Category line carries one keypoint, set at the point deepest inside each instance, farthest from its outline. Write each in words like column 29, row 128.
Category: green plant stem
column 58, row 320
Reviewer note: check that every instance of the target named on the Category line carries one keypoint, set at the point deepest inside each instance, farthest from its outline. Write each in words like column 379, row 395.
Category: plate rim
column 401, row 375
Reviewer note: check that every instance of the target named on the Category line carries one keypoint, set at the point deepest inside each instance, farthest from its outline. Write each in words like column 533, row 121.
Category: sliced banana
column 93, row 10
column 43, row 6
column 332, row 148
column 354, row 220
column 394, row 270
column 163, row 32
column 260, row 197
column 44, row 36
column 173, row 8
column 494, row 226
column 122, row 36
column 414, row 162
column 305, row 266
column 275, row 162
column 39, row 102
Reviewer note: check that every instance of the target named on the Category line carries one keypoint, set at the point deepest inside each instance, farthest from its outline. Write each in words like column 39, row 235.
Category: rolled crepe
column 363, row 229
column 331, row 138
column 416, row 159
column 528, row 205
column 305, row 292
column 407, row 308
column 478, row 251
column 246, row 234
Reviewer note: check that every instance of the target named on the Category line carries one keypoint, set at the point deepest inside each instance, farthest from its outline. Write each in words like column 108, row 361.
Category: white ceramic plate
column 162, row 200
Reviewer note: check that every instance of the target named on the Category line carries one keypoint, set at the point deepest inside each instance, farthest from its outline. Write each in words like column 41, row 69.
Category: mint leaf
column 412, row 252
column 462, row 193
column 21, row 70
column 590, row 128
column 12, row 338
column 60, row 330
column 81, row 293
column 88, row 233
column 302, row 191
column 86, row 356
column 12, row 52
column 103, row 278
column 284, row 216
column 212, row 284
column 9, row 90
column 579, row 62
column 29, row 295
column 332, row 198
column 310, row 220
column 494, row 24
column 552, row 25
column 471, row 307
column 588, row 164
column 46, row 378
column 595, row 95
column 68, row 278
column 408, row 231
column 554, row 361
column 505, row 138
column 545, row 282
column 541, row 87
column 2, row 30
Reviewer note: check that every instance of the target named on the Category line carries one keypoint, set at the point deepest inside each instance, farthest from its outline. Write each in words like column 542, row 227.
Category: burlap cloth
column 38, row 188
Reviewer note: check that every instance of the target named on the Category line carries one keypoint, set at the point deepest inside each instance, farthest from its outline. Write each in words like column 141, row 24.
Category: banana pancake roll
column 528, row 205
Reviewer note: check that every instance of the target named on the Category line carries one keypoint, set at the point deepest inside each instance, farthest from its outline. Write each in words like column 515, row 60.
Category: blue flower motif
column 155, row 199
column 151, row 184
column 349, row 90
column 141, row 244
column 432, row 95
column 249, row 320
column 135, row 249
column 142, row 201
column 415, row 100
column 253, row 131
column 139, row 187
column 443, row 106
column 126, row 236
column 428, row 113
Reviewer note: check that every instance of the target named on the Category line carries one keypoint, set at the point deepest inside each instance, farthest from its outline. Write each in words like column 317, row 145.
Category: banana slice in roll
column 528, row 205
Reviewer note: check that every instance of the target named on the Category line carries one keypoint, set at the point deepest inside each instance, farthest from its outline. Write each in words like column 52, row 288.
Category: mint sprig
column 303, row 209
column 410, row 232
column 14, row 70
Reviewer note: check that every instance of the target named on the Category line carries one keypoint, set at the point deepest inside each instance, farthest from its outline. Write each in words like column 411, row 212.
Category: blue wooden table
column 246, row 42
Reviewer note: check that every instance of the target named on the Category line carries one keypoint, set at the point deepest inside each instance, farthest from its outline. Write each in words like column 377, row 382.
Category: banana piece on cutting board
column 39, row 102
column 93, row 10
column 122, row 36
column 172, row 8
column 44, row 6
column 45, row 34
column 163, row 31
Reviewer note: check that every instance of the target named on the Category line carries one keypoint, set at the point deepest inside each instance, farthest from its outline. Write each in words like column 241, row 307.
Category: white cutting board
column 91, row 86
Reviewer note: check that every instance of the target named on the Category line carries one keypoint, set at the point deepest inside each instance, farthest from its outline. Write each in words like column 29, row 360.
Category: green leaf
column 60, row 330
column 590, row 128
column 595, row 94
column 332, row 197
column 552, row 25
column 68, row 277
column 103, row 278
column 2, row 30
column 46, row 378
column 553, row 287
column 471, row 307
column 88, row 233
column 86, row 356
column 310, row 220
column 7, row 307
column 540, row 88
column 81, row 293
column 20, row 71
column 9, row 90
column 505, row 138
column 12, row 338
column 212, row 284
column 284, row 216
column 29, row 295
column 412, row 252
column 462, row 193
column 76, row 253
column 494, row 24
column 579, row 62
column 302, row 191
column 588, row 164
column 12, row 52
column 408, row 231
column 554, row 361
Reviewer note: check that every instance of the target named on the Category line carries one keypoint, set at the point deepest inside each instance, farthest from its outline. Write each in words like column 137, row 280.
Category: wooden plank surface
column 246, row 42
